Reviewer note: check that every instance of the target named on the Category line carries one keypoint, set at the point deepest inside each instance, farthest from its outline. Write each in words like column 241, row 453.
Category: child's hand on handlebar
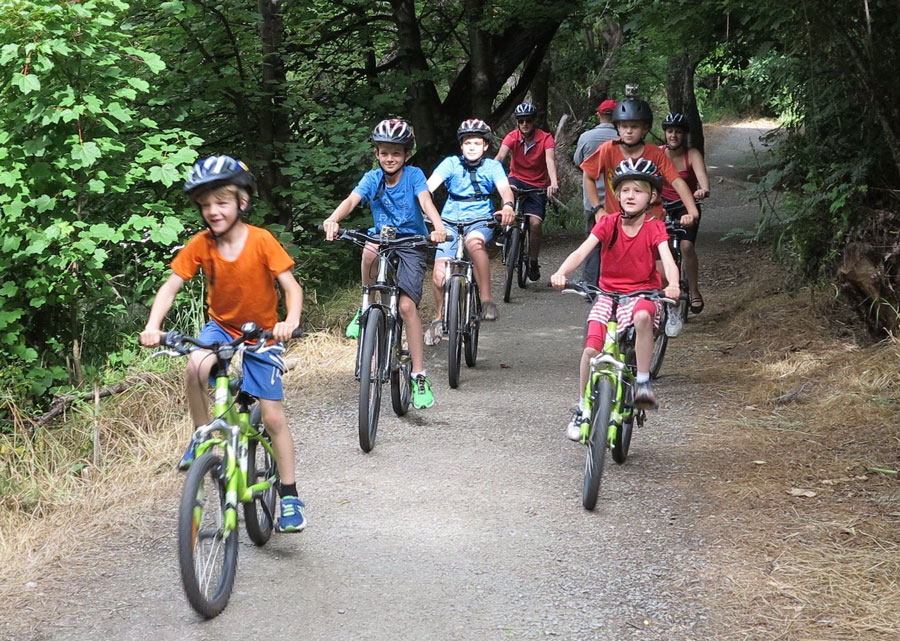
column 150, row 337
column 507, row 216
column 439, row 234
column 672, row 291
column 331, row 229
column 558, row 280
column 687, row 220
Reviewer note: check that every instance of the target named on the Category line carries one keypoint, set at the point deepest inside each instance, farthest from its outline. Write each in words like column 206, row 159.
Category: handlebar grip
column 320, row 227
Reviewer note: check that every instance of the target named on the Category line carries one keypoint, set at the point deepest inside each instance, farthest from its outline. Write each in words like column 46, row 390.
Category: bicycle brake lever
column 165, row 352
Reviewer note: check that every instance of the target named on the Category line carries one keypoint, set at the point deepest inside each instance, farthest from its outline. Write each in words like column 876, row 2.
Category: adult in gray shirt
column 588, row 143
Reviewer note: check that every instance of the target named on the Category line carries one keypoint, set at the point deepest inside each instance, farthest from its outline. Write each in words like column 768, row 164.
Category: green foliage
column 85, row 175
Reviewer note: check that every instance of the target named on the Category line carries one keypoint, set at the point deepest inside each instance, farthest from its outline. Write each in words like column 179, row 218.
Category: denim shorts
column 262, row 372
column 447, row 249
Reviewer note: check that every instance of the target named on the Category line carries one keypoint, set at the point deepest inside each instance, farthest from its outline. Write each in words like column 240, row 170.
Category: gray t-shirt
column 588, row 143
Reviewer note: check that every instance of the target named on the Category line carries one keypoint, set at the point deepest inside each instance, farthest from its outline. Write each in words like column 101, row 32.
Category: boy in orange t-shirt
column 241, row 264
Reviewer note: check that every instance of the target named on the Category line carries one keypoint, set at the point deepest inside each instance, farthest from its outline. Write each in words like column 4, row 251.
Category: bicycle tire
column 401, row 389
column 660, row 342
column 622, row 442
column 524, row 252
column 471, row 336
column 454, row 331
column 512, row 260
column 370, row 362
column 206, row 556
column 259, row 514
column 596, row 444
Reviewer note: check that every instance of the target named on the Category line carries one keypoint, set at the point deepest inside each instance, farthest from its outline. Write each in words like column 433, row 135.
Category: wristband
column 509, row 204
column 596, row 208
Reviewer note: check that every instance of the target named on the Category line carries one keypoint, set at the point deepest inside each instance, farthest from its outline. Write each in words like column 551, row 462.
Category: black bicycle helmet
column 675, row 119
column 396, row 131
column 525, row 109
column 633, row 109
column 637, row 169
column 216, row 171
column 474, row 127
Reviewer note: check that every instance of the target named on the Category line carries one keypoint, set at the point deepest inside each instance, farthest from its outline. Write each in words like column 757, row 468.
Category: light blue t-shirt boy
column 456, row 178
column 397, row 206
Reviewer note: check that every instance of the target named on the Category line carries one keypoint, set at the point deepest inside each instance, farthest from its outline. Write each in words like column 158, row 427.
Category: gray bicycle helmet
column 637, row 169
column 633, row 109
column 525, row 109
column 216, row 171
column 474, row 127
column 675, row 119
column 395, row 131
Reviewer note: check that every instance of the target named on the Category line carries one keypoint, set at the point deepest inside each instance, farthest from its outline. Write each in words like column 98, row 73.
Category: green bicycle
column 244, row 472
column 608, row 396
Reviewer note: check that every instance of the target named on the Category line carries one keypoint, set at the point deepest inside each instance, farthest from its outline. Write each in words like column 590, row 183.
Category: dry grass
column 808, row 516
column 56, row 505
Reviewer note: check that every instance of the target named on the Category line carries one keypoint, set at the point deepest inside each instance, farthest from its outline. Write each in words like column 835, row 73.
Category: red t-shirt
column 240, row 290
column 668, row 191
column 608, row 156
column 631, row 263
column 529, row 164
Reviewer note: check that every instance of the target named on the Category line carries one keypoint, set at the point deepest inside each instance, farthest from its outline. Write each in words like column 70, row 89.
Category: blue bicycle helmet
column 216, row 171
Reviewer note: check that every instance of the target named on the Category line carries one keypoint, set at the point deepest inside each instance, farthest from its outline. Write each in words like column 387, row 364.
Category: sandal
column 696, row 304
column 434, row 332
column 489, row 311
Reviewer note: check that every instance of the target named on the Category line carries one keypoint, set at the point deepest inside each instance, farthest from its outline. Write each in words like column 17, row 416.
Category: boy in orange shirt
column 241, row 264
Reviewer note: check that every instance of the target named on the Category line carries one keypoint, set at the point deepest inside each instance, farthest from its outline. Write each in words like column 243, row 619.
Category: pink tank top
column 668, row 191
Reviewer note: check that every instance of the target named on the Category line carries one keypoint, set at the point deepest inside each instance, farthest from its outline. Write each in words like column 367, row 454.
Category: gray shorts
column 411, row 265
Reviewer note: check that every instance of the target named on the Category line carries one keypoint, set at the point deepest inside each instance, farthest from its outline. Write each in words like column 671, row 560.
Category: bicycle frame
column 610, row 362
column 462, row 269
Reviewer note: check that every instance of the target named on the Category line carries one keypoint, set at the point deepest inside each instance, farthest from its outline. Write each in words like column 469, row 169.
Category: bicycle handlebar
column 528, row 190
column 585, row 289
column 361, row 238
column 175, row 340
column 466, row 223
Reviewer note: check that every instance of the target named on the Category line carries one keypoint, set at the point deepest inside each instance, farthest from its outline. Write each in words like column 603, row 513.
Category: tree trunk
column 540, row 92
column 274, row 125
column 599, row 91
column 480, row 69
column 680, row 93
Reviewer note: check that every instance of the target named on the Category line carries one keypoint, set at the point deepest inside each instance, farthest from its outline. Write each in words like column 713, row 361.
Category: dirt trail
column 465, row 521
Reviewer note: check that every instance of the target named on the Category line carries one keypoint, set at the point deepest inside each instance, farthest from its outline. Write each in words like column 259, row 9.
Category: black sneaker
column 644, row 398
column 534, row 271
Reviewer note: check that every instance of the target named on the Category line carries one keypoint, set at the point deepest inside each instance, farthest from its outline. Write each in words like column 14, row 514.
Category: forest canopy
column 106, row 103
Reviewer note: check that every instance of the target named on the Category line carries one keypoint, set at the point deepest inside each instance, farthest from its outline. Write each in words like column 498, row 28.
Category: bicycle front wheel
column 512, row 260
column 370, row 369
column 622, row 442
column 471, row 338
column 596, row 444
column 259, row 514
column 207, row 553
column 455, row 305
column 524, row 251
column 401, row 367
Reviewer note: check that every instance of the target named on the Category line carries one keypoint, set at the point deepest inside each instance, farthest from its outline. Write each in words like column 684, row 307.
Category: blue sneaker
column 189, row 455
column 292, row 517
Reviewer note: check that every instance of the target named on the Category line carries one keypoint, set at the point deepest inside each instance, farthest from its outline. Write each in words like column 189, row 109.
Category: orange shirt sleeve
column 190, row 258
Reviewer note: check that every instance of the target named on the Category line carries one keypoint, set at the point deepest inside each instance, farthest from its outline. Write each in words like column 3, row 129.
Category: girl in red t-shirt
column 631, row 242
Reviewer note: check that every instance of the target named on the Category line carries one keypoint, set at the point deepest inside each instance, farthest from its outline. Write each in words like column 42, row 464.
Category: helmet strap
column 630, row 216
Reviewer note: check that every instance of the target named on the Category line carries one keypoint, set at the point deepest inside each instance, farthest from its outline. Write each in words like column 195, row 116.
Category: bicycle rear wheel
column 401, row 367
column 660, row 342
column 370, row 369
column 207, row 554
column 455, row 305
column 512, row 260
column 259, row 514
column 596, row 444
column 524, row 251
column 471, row 337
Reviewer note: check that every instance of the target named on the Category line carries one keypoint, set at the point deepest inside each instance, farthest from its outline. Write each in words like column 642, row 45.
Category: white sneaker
column 674, row 324
column 573, row 430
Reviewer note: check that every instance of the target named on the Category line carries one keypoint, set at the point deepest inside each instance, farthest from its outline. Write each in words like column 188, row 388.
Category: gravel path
column 465, row 521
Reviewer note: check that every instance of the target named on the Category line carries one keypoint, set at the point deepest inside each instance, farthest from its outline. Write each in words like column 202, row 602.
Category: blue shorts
column 262, row 372
column 447, row 249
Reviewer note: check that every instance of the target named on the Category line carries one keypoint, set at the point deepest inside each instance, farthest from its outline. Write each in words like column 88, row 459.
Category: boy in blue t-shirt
column 470, row 178
column 397, row 195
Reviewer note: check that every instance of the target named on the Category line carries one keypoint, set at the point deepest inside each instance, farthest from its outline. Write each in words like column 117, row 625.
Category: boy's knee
column 475, row 243
column 642, row 319
column 590, row 352
column 406, row 305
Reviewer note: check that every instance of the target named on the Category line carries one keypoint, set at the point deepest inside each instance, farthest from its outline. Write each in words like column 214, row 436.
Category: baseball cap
column 607, row 106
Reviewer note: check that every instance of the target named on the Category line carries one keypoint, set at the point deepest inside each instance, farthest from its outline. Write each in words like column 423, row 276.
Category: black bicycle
column 517, row 245
column 661, row 334
column 380, row 354
column 462, row 305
